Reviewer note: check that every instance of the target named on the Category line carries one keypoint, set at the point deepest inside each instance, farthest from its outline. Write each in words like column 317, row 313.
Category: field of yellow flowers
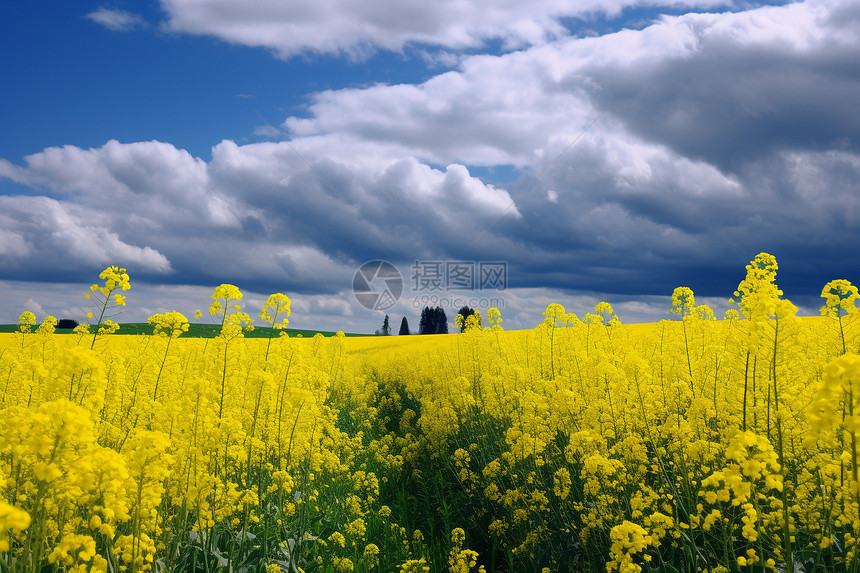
column 583, row 445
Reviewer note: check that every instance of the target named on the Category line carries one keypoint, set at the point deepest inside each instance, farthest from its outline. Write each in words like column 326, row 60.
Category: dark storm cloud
column 728, row 102
column 802, row 207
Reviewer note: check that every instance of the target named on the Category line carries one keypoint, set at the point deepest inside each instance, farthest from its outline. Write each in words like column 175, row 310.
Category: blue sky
column 81, row 83
column 601, row 149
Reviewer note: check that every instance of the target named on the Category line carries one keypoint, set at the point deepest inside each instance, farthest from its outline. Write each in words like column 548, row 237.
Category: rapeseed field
column 692, row 444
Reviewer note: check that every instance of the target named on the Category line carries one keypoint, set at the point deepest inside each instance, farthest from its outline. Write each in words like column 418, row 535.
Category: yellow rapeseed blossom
column 48, row 326
column 277, row 304
column 683, row 301
column 337, row 538
column 840, row 298
column 171, row 324
column 26, row 321
column 12, row 521
column 561, row 483
column 571, row 446
column 415, row 566
column 222, row 297
column 371, row 555
column 628, row 539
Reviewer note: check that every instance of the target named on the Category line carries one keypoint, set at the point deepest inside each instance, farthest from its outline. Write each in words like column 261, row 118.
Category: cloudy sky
column 600, row 149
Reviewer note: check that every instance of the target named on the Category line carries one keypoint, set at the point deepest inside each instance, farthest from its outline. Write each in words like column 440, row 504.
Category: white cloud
column 51, row 235
column 12, row 172
column 291, row 27
column 34, row 307
column 115, row 19
column 266, row 131
column 255, row 210
column 510, row 109
column 145, row 181
column 12, row 244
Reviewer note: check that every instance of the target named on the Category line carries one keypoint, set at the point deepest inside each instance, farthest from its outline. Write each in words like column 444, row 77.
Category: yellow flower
column 337, row 538
column 458, row 536
column 628, row 539
column 356, row 528
column 841, row 298
column 109, row 327
column 12, row 519
column 26, row 320
column 562, row 483
column 48, row 326
column 275, row 305
column 683, row 301
column 171, row 324
column 415, row 566
column 222, row 296
column 371, row 555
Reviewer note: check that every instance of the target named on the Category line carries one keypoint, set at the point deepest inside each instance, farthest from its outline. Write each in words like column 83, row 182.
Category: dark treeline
column 433, row 321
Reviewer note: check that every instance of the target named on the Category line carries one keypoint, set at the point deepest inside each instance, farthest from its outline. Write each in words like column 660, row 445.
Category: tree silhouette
column 404, row 327
column 433, row 321
column 386, row 327
column 441, row 321
column 424, row 323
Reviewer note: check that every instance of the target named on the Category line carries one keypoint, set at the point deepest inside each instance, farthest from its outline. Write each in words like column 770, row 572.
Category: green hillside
column 202, row 331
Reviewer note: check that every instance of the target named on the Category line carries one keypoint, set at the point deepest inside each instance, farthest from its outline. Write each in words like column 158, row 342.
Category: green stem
column 101, row 315
column 746, row 382
column 161, row 368
column 689, row 362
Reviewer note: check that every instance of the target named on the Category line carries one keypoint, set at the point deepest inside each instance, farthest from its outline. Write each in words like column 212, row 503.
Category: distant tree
column 433, row 321
column 386, row 327
column 67, row 323
column 441, row 321
column 404, row 327
column 424, row 325
column 465, row 312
